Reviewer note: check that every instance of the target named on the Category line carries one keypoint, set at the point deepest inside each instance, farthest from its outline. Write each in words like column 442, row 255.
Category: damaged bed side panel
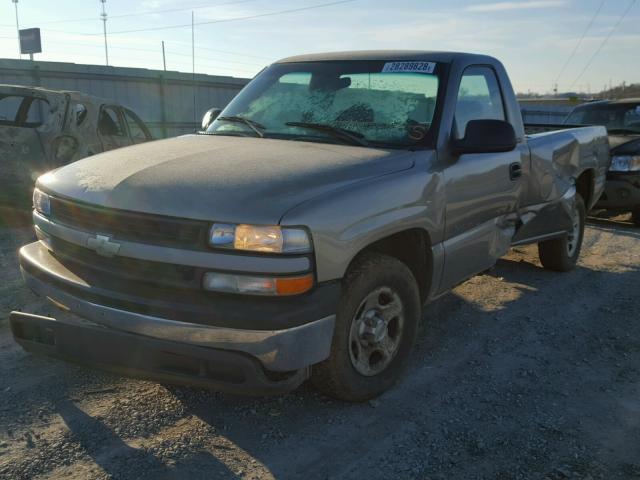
column 558, row 159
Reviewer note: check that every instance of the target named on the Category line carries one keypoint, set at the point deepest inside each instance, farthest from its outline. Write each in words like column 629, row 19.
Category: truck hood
column 223, row 178
column 624, row 144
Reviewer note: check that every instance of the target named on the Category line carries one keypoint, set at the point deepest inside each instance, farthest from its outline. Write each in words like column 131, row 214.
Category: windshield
column 386, row 104
column 624, row 117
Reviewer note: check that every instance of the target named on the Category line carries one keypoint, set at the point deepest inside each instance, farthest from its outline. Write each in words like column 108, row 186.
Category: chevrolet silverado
column 301, row 234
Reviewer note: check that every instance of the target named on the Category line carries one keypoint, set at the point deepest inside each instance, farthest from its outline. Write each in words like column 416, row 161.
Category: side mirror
column 209, row 116
column 486, row 136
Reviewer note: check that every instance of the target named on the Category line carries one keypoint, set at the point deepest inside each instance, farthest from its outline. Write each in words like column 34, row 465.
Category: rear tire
column 635, row 216
column 376, row 324
column 561, row 254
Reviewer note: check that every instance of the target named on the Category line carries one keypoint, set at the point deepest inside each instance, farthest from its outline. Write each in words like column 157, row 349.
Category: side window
column 9, row 106
column 136, row 129
column 110, row 123
column 80, row 112
column 479, row 98
column 632, row 117
column 20, row 111
column 38, row 113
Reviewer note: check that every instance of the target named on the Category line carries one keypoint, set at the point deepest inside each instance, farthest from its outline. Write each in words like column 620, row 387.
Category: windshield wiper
column 340, row 133
column 253, row 125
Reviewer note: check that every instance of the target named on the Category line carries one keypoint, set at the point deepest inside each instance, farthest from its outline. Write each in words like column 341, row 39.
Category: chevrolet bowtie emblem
column 103, row 245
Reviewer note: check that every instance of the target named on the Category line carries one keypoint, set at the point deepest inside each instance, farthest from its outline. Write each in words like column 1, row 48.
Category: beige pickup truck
column 301, row 234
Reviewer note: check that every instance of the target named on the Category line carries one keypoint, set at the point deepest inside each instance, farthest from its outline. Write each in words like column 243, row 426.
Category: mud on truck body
column 302, row 233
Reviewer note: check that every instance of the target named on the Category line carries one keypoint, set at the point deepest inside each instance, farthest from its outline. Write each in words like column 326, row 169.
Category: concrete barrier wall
column 552, row 112
column 163, row 99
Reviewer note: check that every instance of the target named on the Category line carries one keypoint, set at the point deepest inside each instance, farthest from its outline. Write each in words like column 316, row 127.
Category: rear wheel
column 561, row 254
column 635, row 216
column 376, row 324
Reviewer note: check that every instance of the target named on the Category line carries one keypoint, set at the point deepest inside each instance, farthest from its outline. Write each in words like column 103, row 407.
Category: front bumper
column 141, row 344
column 621, row 192
column 149, row 358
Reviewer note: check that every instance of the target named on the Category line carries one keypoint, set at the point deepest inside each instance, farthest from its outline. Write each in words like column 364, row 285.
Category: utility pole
column 103, row 16
column 164, row 60
column 15, row 4
column 193, row 68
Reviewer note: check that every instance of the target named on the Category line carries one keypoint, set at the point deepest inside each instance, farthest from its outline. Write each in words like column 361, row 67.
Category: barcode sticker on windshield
column 409, row 67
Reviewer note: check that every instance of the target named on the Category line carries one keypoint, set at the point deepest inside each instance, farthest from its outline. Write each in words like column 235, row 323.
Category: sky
column 541, row 42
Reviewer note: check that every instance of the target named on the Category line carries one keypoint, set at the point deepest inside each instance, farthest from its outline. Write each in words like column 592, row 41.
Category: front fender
column 347, row 220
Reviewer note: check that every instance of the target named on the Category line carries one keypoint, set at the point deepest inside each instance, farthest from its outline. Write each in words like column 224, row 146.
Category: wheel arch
column 585, row 186
column 413, row 248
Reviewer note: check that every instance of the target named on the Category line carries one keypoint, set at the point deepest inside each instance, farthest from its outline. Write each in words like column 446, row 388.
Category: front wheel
column 376, row 324
column 561, row 254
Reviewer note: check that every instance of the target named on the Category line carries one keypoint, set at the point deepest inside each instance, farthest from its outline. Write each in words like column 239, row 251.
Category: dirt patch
column 518, row 374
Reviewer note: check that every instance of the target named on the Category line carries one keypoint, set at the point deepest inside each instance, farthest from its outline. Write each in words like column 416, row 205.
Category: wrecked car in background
column 42, row 129
column 622, row 120
column 301, row 235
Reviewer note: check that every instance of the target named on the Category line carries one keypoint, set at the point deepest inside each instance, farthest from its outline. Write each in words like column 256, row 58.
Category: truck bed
column 531, row 128
column 558, row 157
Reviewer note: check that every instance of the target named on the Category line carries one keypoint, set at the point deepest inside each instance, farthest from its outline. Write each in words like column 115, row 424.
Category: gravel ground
column 518, row 374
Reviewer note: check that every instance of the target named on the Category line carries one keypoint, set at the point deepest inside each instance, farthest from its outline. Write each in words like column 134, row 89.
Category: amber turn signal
column 295, row 285
column 253, row 285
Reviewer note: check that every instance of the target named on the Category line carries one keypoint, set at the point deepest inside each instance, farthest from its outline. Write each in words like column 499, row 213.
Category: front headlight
column 269, row 239
column 625, row 163
column 41, row 202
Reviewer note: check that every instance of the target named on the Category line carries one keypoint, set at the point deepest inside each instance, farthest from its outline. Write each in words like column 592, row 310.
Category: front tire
column 376, row 324
column 561, row 254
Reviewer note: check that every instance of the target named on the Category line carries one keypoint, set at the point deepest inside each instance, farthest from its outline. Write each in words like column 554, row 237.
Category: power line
column 228, row 52
column 223, row 20
column 604, row 42
column 204, row 62
column 198, row 46
column 169, row 52
column 147, row 12
column 575, row 50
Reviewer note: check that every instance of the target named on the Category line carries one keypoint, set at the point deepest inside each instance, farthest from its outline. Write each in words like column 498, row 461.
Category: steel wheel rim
column 376, row 331
column 574, row 235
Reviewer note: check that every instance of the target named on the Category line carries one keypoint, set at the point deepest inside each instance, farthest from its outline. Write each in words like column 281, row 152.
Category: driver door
column 482, row 189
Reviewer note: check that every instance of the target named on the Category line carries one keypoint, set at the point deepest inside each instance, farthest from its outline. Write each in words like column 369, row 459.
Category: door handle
column 515, row 170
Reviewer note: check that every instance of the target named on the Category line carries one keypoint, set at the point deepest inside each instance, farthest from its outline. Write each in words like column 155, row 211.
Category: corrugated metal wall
column 164, row 100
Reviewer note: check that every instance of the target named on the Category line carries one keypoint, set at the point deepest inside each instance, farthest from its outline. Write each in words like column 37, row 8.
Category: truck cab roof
column 382, row 55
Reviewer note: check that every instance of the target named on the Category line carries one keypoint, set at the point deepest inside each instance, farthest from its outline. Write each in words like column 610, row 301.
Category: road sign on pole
column 30, row 41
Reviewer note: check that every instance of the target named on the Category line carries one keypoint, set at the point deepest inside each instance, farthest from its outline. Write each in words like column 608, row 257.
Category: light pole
column 103, row 16
column 15, row 3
